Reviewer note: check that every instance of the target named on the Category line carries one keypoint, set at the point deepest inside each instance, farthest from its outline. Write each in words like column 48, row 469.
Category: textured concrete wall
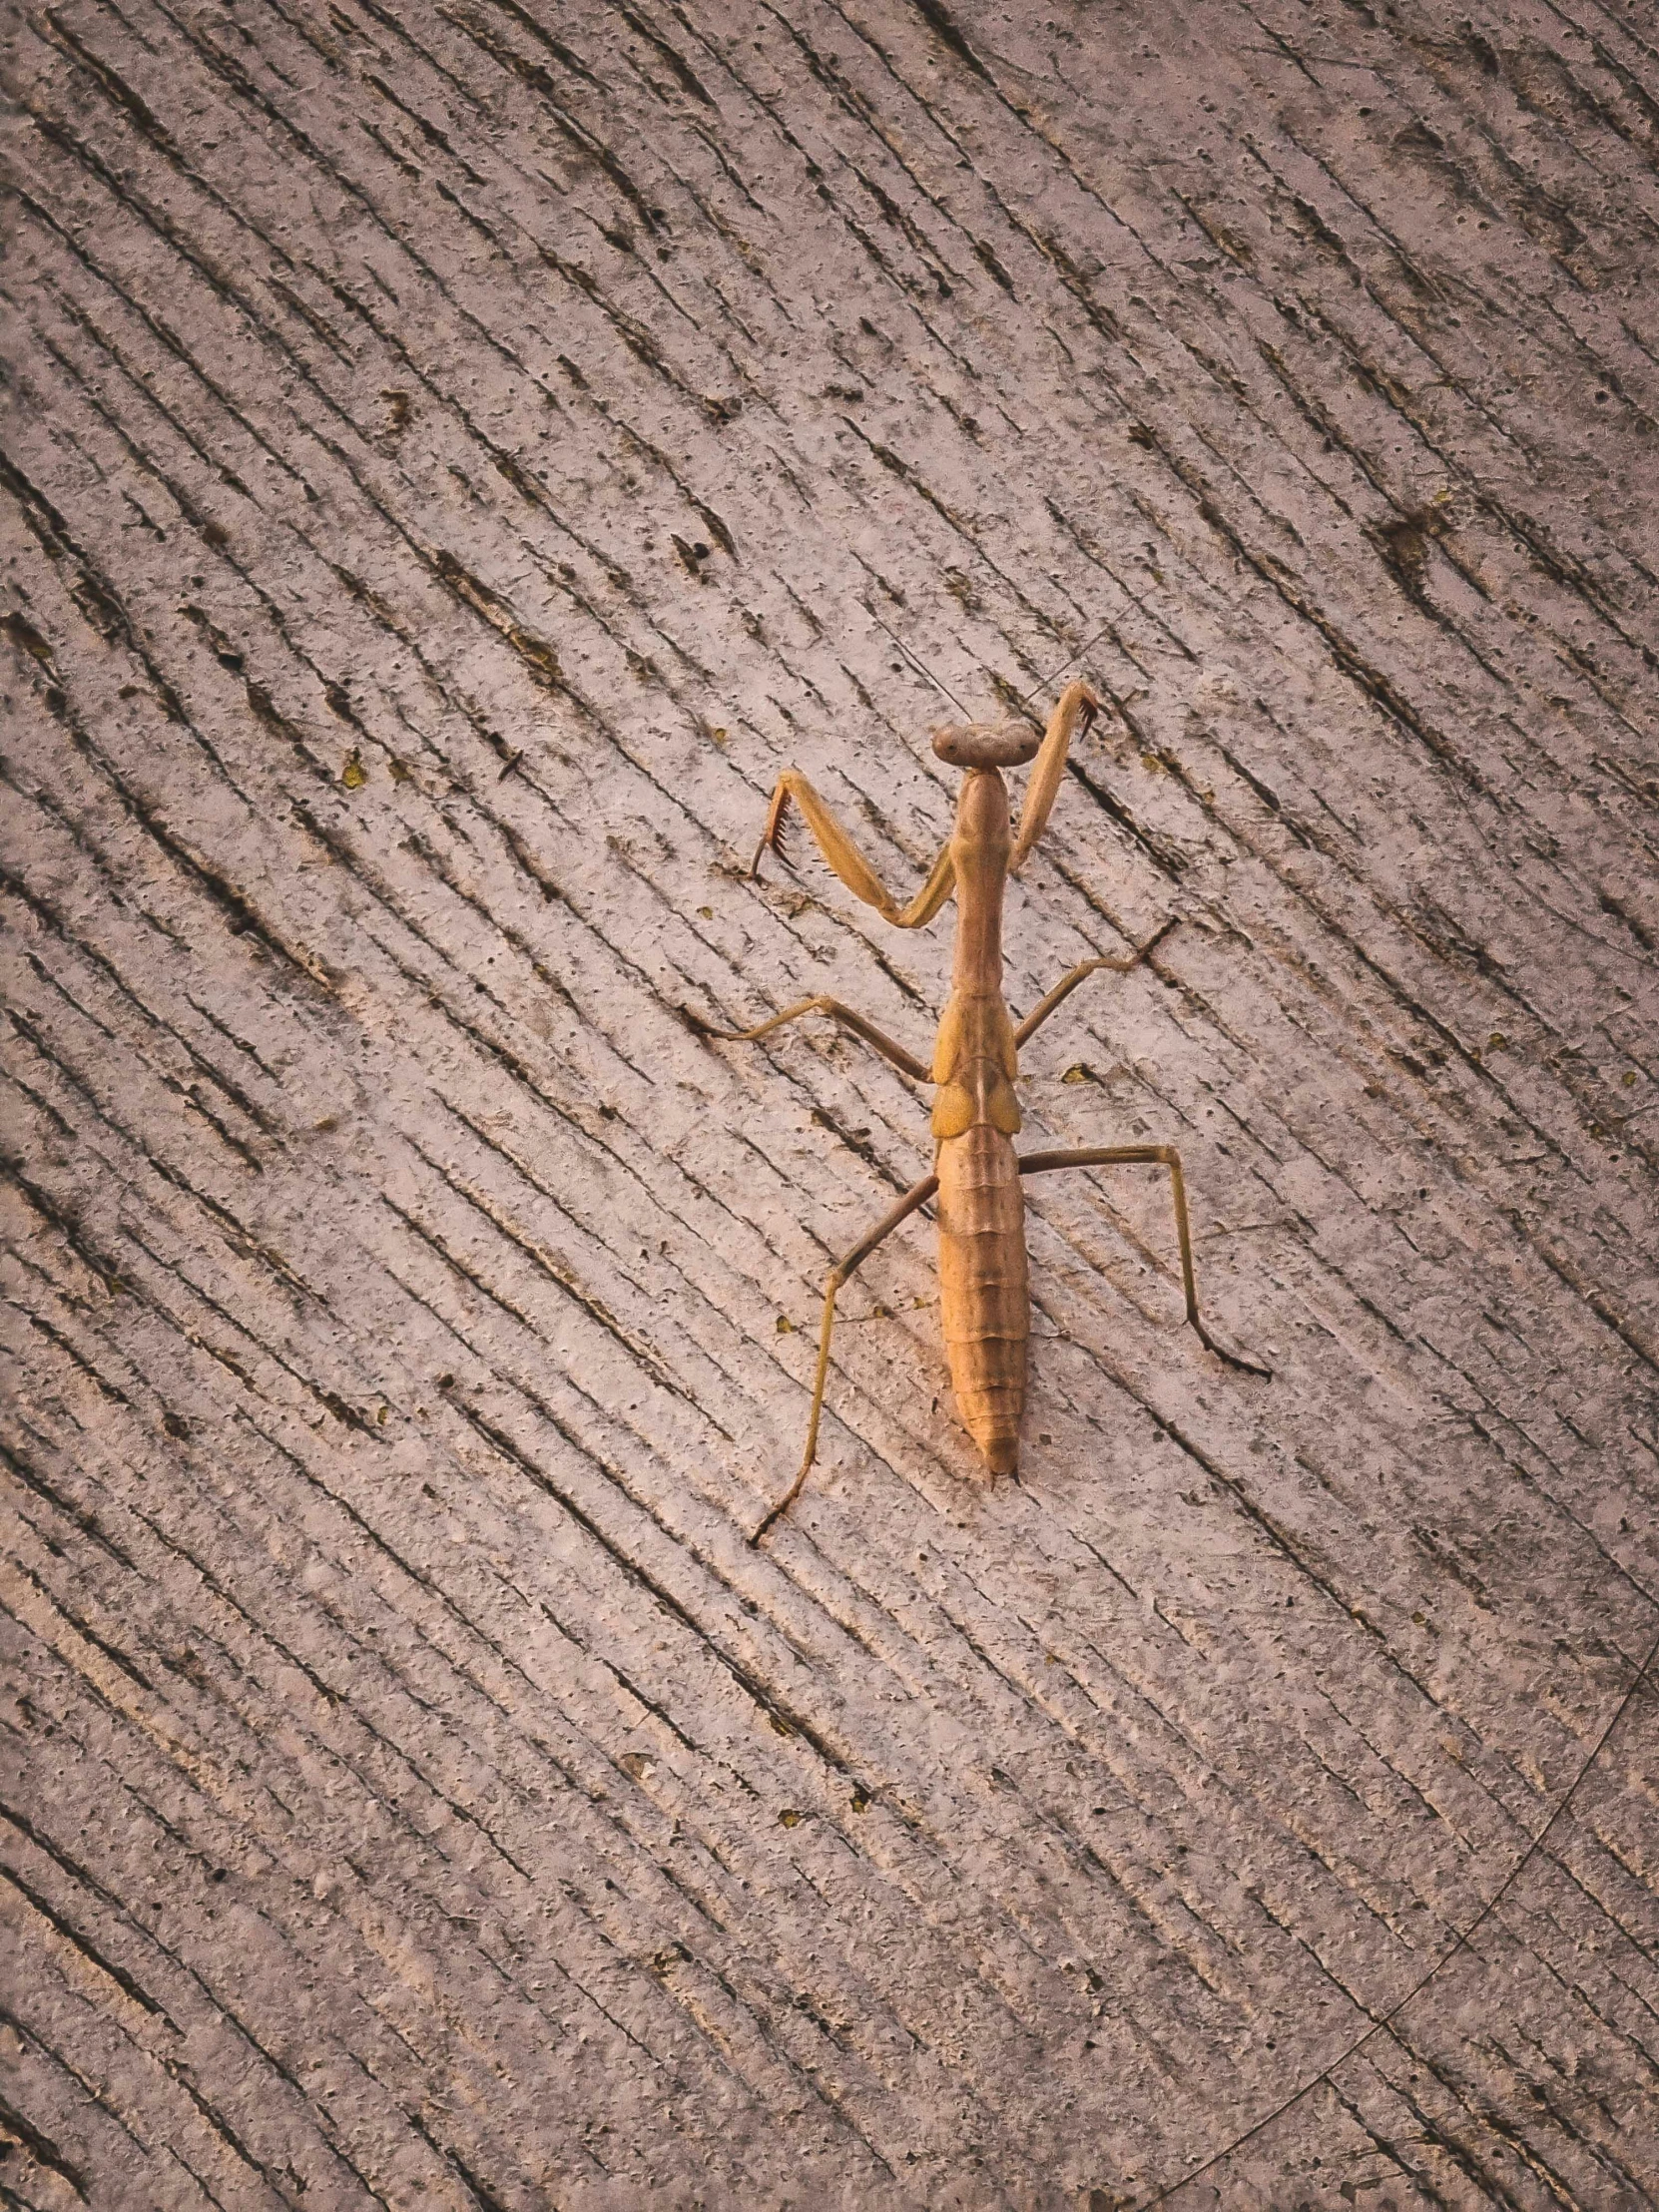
column 458, row 453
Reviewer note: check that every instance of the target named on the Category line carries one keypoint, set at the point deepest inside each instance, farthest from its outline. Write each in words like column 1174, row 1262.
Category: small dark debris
column 1405, row 540
column 176, row 1425
column 23, row 633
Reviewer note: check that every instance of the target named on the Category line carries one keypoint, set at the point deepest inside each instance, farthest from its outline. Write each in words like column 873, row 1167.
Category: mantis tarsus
column 976, row 1173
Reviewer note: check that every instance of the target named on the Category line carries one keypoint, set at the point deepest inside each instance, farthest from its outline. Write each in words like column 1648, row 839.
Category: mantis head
column 987, row 744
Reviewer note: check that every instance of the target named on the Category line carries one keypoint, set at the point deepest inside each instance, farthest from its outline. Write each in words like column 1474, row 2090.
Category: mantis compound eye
column 987, row 744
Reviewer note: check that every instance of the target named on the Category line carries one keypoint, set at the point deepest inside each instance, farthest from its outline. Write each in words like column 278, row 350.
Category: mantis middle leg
column 905, row 1062
column 916, row 1196
column 1068, row 984
column 849, row 863
column 1150, row 1154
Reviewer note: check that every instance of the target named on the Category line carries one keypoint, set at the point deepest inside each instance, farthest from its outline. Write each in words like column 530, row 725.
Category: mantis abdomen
column 985, row 1302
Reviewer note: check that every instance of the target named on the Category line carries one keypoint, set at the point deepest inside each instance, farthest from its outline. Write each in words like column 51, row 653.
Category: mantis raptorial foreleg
column 913, row 1198
column 1150, row 1154
column 905, row 1062
column 847, row 862
column 1074, row 711
column 1068, row 984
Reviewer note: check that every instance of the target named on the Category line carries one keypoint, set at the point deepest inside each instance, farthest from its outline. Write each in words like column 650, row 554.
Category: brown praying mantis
column 983, row 1277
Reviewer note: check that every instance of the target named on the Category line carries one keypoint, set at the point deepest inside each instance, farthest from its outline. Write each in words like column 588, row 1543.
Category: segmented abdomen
column 982, row 1285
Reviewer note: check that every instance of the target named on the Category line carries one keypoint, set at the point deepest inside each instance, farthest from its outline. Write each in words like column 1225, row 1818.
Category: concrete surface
column 458, row 453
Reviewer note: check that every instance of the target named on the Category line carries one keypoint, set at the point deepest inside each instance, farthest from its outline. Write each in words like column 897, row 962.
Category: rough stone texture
column 460, row 451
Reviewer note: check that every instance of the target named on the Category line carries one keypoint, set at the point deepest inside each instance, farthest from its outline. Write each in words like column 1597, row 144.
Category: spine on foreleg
column 982, row 1285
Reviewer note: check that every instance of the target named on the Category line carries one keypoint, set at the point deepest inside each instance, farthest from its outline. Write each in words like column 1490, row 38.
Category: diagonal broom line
column 1458, row 1945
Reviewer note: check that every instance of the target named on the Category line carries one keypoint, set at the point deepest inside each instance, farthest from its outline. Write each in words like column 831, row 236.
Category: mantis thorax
column 975, row 1063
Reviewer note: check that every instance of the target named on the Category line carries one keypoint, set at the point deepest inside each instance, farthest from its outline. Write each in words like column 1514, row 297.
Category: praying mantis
column 984, row 1272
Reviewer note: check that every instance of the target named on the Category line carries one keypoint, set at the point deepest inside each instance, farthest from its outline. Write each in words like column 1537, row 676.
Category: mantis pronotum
column 976, row 1173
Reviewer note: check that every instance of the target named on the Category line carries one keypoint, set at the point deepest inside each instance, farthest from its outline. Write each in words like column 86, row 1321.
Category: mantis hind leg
column 915, row 1197
column 1151, row 1155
